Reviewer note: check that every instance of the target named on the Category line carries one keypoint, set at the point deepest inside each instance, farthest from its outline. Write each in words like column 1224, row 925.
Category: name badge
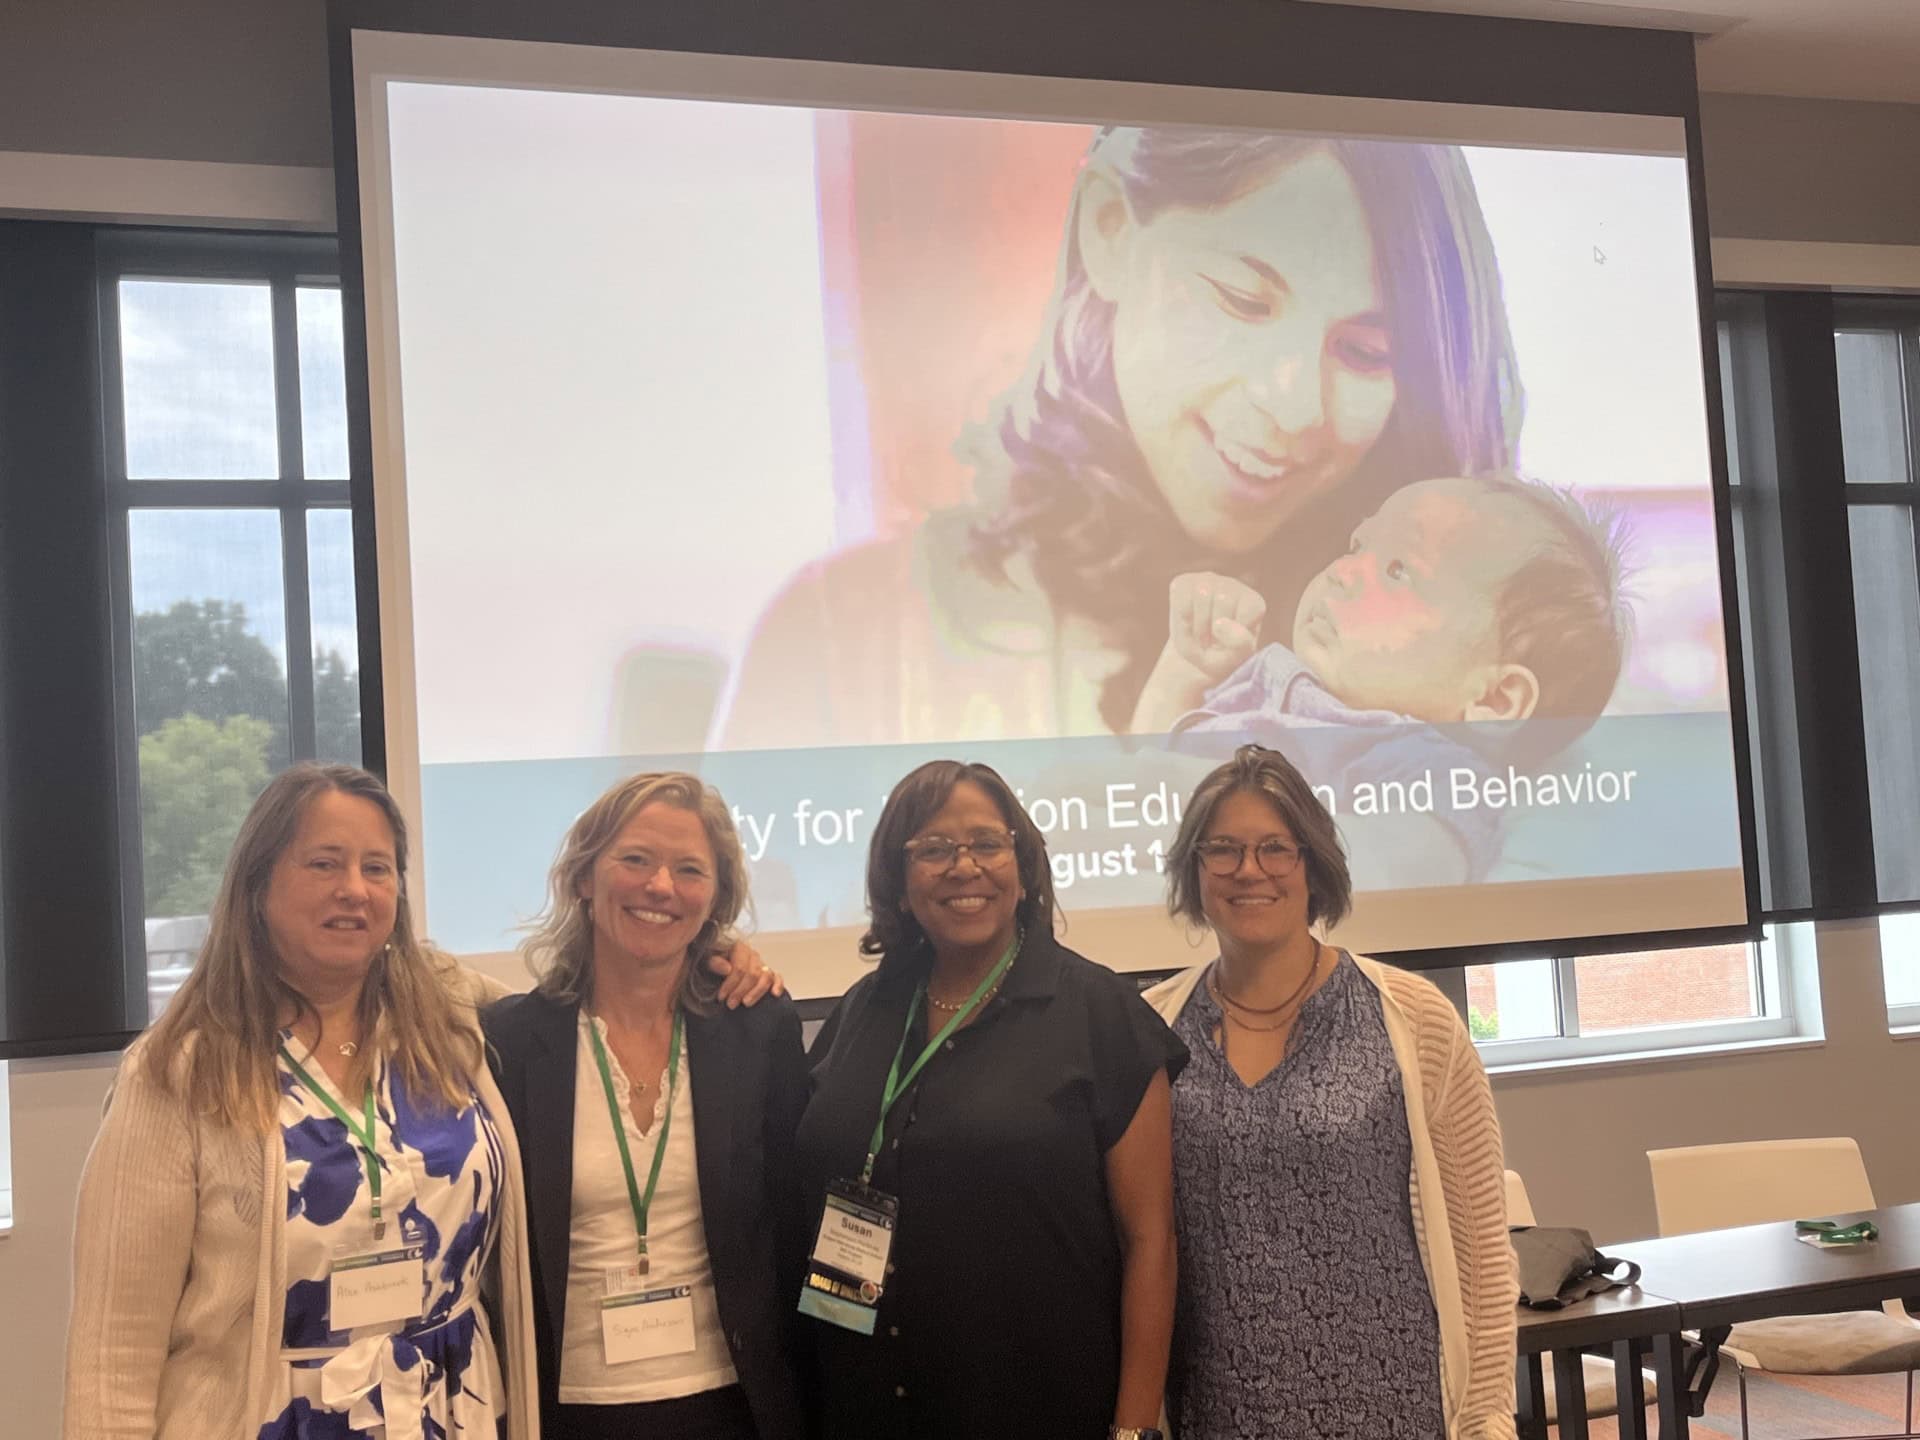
column 376, row 1288
column 646, row 1324
column 848, row 1270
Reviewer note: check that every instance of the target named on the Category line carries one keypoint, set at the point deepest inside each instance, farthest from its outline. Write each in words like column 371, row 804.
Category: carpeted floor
column 1797, row 1407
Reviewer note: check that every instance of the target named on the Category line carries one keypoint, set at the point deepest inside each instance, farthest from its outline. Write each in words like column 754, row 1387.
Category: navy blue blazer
column 746, row 1108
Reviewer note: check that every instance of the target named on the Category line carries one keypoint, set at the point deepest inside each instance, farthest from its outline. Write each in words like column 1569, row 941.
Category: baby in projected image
column 1492, row 600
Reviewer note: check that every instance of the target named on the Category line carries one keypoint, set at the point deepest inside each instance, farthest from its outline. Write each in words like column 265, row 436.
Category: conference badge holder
column 643, row 1318
column 848, row 1270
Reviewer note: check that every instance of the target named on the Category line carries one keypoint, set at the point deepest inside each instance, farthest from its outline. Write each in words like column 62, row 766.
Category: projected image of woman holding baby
column 1254, row 341
column 1090, row 453
column 1093, row 452
column 1256, row 481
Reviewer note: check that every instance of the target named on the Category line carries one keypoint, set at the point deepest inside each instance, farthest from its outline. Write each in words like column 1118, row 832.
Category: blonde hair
column 214, row 1047
column 559, row 949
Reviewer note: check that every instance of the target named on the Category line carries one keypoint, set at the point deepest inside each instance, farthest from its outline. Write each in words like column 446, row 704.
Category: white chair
column 1602, row 1393
column 1759, row 1182
column 1519, row 1206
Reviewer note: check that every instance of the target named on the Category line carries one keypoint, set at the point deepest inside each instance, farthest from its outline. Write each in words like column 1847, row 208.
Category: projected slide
column 797, row 445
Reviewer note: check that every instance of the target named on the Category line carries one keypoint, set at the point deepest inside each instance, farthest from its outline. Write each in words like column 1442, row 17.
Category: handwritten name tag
column 647, row 1324
column 376, row 1288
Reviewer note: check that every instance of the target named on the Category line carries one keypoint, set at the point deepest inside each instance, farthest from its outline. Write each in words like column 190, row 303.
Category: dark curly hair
column 893, row 935
column 1080, row 504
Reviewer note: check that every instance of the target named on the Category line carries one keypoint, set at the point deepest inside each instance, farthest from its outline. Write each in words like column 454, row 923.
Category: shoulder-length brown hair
column 1256, row 770
column 892, row 932
column 214, row 1047
column 559, row 951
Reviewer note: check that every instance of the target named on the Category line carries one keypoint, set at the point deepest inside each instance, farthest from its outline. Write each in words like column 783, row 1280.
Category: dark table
column 1630, row 1322
column 1722, row 1277
column 1707, row 1282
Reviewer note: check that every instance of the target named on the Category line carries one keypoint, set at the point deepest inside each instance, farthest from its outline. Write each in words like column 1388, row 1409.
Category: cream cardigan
column 179, row 1276
column 1458, row 1161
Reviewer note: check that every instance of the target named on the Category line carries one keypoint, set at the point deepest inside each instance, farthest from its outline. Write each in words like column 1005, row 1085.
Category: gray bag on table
column 1559, row 1266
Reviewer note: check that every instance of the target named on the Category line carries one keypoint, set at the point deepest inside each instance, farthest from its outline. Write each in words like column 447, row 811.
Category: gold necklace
column 954, row 1006
column 950, row 1006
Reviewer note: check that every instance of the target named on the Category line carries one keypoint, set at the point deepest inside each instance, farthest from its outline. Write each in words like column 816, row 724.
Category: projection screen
column 794, row 423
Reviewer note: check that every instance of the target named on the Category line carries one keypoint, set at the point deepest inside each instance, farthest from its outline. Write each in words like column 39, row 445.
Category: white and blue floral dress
column 436, row 1377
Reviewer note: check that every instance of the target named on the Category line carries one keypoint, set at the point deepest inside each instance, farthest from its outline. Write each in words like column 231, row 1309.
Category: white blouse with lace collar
column 604, row 1239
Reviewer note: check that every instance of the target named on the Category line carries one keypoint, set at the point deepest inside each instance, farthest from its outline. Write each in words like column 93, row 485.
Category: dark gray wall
column 246, row 80
column 1841, row 170
column 233, row 80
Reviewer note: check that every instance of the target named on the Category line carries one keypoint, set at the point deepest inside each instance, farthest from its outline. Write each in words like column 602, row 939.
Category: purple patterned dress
column 1304, row 1308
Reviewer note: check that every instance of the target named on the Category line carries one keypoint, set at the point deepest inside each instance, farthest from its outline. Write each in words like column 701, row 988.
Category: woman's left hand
column 746, row 980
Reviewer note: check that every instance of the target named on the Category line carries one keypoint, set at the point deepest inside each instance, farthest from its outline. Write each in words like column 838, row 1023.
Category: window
column 1877, row 356
column 1900, row 963
column 1531, row 1011
column 226, row 457
column 1771, row 729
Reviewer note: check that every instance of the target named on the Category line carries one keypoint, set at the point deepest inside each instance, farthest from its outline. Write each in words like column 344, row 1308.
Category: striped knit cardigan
column 1457, row 1188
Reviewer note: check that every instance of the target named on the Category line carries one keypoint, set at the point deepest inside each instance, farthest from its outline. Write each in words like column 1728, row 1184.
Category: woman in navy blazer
column 658, row 1126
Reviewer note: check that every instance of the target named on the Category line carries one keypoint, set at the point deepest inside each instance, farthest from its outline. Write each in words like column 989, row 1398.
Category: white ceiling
column 1832, row 49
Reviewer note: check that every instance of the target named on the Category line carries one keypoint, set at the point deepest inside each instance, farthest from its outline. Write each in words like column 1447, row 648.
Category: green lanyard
column 898, row 1084
column 1831, row 1232
column 362, row 1132
column 641, row 1203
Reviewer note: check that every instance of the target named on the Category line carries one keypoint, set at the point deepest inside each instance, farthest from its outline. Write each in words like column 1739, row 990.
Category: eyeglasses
column 938, row 854
column 1276, row 858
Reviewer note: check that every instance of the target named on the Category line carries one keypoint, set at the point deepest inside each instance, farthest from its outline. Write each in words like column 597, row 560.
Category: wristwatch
column 1128, row 1432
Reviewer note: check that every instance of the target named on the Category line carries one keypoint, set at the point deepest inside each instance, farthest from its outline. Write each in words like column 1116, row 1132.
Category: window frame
column 1778, row 963
column 285, row 264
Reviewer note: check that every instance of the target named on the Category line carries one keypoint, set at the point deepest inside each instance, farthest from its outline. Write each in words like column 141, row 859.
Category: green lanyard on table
column 641, row 1203
column 897, row 1084
column 362, row 1132
column 1832, row 1232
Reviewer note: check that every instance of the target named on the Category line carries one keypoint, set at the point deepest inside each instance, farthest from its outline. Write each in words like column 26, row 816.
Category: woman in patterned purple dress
column 1338, row 1181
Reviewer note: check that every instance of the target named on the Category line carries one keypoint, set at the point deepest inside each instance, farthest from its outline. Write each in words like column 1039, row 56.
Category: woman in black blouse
column 1024, row 1171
